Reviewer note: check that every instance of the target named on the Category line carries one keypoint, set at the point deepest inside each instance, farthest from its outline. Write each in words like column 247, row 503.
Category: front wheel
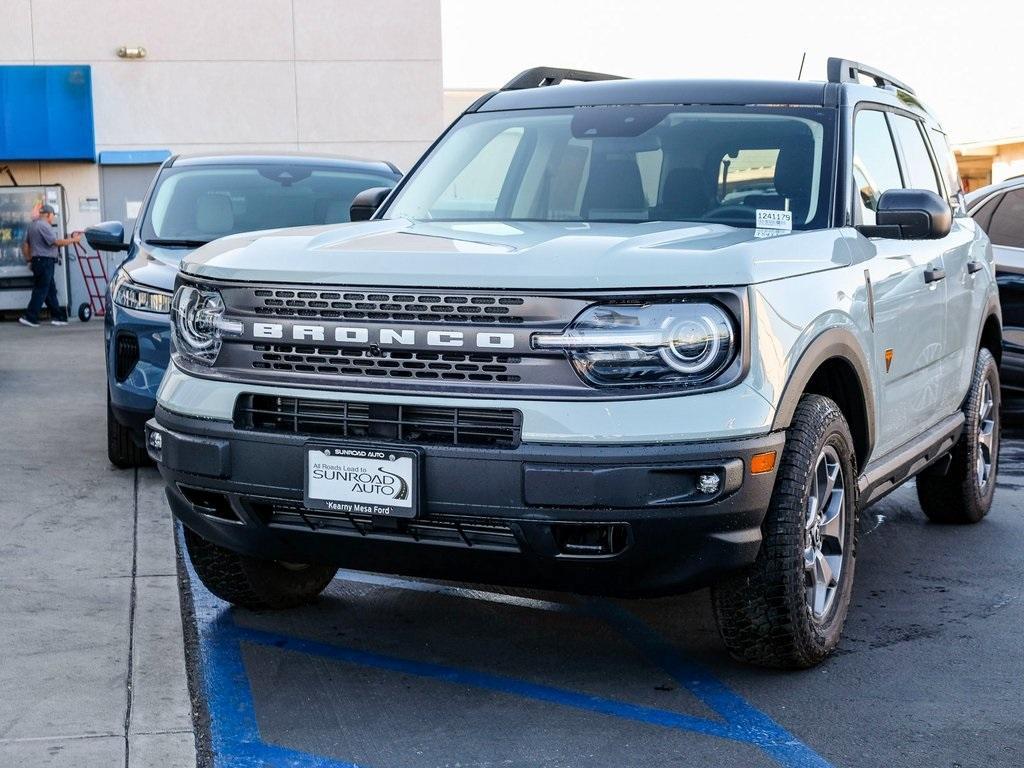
column 964, row 493
column 788, row 609
column 122, row 449
column 250, row 582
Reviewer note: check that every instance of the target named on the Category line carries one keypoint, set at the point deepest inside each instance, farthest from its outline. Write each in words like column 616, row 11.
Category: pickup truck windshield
column 195, row 204
column 628, row 164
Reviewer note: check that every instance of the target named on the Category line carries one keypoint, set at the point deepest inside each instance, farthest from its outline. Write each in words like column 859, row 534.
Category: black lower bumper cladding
column 607, row 519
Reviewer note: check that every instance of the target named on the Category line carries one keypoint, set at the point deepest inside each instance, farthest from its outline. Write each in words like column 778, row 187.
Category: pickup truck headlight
column 198, row 324
column 127, row 293
column 685, row 343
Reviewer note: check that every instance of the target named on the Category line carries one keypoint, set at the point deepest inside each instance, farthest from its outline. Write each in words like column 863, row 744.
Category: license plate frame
column 356, row 479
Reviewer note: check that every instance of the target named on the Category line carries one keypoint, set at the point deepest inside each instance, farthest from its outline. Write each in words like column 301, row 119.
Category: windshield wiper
column 175, row 243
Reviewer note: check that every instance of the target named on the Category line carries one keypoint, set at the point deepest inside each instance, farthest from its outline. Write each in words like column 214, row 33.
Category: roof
column 604, row 92
column 544, row 87
column 977, row 196
column 291, row 158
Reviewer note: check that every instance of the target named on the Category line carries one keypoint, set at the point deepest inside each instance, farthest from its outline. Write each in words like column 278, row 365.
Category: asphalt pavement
column 386, row 672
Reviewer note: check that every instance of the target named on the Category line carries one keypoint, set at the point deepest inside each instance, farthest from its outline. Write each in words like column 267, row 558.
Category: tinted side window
column 919, row 172
column 875, row 168
column 984, row 214
column 1007, row 227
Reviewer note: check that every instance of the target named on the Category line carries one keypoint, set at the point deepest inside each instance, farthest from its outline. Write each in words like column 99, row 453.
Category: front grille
column 126, row 354
column 480, row 533
column 408, row 307
column 429, row 425
column 440, row 366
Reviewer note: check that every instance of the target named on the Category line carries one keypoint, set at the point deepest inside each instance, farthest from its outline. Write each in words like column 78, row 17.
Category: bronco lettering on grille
column 394, row 337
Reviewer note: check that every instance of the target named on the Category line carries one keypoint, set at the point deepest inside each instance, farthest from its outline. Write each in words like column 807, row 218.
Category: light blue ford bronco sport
column 617, row 336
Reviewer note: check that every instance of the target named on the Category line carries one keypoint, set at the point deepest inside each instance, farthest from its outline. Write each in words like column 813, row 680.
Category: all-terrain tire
column 763, row 614
column 959, row 496
column 122, row 450
column 250, row 582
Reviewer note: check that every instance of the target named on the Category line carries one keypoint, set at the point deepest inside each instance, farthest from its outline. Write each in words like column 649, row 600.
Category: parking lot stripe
column 234, row 732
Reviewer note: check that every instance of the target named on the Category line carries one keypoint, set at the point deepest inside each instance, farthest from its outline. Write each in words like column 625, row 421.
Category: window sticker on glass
column 769, row 219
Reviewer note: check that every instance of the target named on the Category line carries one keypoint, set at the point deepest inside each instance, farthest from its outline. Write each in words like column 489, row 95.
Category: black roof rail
column 538, row 77
column 846, row 71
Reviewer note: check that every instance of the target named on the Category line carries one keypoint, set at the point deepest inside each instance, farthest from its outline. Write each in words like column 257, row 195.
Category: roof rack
column 539, row 77
column 846, row 71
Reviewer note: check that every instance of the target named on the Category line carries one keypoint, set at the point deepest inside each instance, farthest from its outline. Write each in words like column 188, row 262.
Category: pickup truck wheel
column 788, row 609
column 122, row 450
column 964, row 493
column 250, row 582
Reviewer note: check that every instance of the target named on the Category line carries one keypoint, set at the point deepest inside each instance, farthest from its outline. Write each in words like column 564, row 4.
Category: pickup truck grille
column 479, row 427
column 396, row 364
column 440, row 341
column 397, row 307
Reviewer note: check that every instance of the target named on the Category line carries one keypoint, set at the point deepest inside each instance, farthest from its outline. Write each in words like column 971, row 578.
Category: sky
column 964, row 59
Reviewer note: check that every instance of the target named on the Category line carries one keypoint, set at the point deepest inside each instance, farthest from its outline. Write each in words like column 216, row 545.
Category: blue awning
column 46, row 113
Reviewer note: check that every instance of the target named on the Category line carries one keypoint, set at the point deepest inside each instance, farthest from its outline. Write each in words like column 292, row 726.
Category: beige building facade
column 988, row 162
column 334, row 76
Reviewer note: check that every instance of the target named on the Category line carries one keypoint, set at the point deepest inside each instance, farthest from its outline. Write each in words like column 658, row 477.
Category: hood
column 519, row 255
column 154, row 266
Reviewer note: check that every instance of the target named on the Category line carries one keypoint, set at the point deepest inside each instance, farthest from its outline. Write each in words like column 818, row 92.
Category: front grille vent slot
column 420, row 424
column 126, row 355
column 394, row 364
column 409, row 307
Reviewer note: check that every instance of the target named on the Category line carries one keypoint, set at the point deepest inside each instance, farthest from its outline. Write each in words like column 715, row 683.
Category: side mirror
column 910, row 214
column 108, row 236
column 367, row 202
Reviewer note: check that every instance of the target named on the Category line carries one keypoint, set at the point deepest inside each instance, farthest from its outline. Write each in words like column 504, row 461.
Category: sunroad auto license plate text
column 361, row 481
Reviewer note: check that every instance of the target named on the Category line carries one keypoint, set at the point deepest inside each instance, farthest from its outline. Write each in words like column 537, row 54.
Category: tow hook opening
column 210, row 503
column 590, row 539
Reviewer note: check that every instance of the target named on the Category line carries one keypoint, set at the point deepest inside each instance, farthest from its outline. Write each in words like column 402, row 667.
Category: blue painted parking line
column 234, row 732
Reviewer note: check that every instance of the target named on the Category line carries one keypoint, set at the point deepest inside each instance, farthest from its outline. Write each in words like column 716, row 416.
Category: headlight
column 131, row 295
column 687, row 343
column 198, row 324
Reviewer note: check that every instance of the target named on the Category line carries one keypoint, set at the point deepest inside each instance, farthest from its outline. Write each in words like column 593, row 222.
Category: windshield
column 195, row 204
column 628, row 164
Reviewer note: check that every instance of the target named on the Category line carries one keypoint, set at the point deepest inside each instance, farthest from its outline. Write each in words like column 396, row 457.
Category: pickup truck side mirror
column 108, row 236
column 367, row 202
column 910, row 214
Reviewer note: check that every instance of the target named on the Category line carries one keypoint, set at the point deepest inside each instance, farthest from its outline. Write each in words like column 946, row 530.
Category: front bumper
column 610, row 519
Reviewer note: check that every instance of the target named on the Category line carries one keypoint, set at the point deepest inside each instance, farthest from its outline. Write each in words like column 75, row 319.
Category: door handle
column 934, row 274
column 974, row 266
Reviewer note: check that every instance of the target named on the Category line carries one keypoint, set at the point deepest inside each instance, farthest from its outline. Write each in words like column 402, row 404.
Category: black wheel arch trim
column 833, row 343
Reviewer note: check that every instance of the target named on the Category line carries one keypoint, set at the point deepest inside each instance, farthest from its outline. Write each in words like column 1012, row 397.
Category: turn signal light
column 762, row 462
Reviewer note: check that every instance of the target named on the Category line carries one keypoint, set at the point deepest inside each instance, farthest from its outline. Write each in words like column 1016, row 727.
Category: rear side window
column 984, row 214
column 1007, row 226
column 947, row 166
column 875, row 168
column 918, row 170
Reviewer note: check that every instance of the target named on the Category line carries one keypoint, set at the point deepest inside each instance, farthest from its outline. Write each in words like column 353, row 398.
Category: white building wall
column 339, row 76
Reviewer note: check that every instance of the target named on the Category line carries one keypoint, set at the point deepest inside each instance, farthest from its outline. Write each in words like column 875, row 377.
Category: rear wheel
column 122, row 450
column 788, row 609
column 964, row 493
column 250, row 582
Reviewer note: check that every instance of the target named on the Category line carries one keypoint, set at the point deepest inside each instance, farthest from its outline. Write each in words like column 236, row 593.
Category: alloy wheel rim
column 986, row 453
column 824, row 533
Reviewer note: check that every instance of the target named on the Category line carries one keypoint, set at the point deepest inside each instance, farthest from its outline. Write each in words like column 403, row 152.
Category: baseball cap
column 43, row 210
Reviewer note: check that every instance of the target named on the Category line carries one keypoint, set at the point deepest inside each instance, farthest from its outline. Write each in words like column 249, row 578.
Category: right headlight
column 127, row 293
column 198, row 324
column 684, row 343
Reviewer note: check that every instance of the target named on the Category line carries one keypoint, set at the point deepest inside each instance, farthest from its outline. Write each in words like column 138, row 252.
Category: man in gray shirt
column 42, row 247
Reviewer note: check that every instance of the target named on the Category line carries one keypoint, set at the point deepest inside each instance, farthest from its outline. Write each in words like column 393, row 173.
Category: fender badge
column 888, row 360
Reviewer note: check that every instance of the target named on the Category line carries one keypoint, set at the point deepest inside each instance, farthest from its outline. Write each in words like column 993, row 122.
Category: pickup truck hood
column 519, row 255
